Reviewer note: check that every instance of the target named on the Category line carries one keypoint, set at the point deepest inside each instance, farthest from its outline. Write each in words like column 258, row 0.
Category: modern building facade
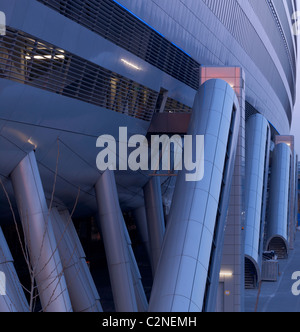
column 73, row 70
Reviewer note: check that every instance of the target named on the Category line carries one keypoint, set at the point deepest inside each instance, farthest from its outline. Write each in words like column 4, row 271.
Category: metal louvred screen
column 114, row 23
column 27, row 60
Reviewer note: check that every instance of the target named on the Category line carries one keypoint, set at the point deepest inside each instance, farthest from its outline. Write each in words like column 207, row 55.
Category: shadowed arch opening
column 252, row 274
column 279, row 245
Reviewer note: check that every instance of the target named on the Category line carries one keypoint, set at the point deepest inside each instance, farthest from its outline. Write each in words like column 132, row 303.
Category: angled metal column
column 290, row 141
column 65, row 215
column 155, row 219
column 189, row 250
column 39, row 236
column 12, row 297
column 140, row 218
column 277, row 236
column 257, row 167
column 83, row 293
column 296, row 194
column 233, row 249
column 140, row 295
column 116, row 246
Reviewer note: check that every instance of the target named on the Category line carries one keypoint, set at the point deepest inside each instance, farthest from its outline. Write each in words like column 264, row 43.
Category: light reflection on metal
column 130, row 64
column 32, row 143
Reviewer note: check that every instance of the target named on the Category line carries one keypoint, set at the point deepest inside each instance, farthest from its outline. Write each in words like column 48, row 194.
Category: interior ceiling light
column 43, row 57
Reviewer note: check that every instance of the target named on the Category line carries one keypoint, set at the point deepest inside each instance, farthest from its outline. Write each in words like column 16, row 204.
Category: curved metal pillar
column 279, row 195
column 65, row 215
column 293, row 185
column 39, row 236
column 140, row 218
column 257, row 167
column 116, row 247
column 296, row 176
column 155, row 219
column 188, row 254
column 12, row 297
column 83, row 293
column 140, row 295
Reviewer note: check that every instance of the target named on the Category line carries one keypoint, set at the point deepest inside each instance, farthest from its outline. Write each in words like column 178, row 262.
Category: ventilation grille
column 174, row 106
column 277, row 244
column 112, row 22
column 250, row 275
column 250, row 110
column 27, row 60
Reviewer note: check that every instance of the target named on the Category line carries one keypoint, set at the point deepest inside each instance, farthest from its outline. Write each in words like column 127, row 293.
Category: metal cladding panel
column 116, row 244
column 5, row 255
column 80, row 287
column 279, row 193
column 40, row 239
column 155, row 218
column 181, row 277
column 71, row 232
column 13, row 299
column 257, row 156
column 200, row 28
column 195, row 28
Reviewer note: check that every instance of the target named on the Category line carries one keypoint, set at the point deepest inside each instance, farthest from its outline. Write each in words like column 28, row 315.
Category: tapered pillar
column 290, row 141
column 257, row 167
column 39, row 236
column 141, row 300
column 232, row 265
column 192, row 247
column 12, row 297
column 83, row 293
column 155, row 219
column 278, row 216
column 140, row 218
column 116, row 246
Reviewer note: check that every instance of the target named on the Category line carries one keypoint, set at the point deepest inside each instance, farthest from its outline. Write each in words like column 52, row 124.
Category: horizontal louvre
column 25, row 59
column 174, row 106
column 112, row 22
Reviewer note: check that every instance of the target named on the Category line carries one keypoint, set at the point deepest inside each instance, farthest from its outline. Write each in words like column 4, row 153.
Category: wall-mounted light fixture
column 226, row 274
